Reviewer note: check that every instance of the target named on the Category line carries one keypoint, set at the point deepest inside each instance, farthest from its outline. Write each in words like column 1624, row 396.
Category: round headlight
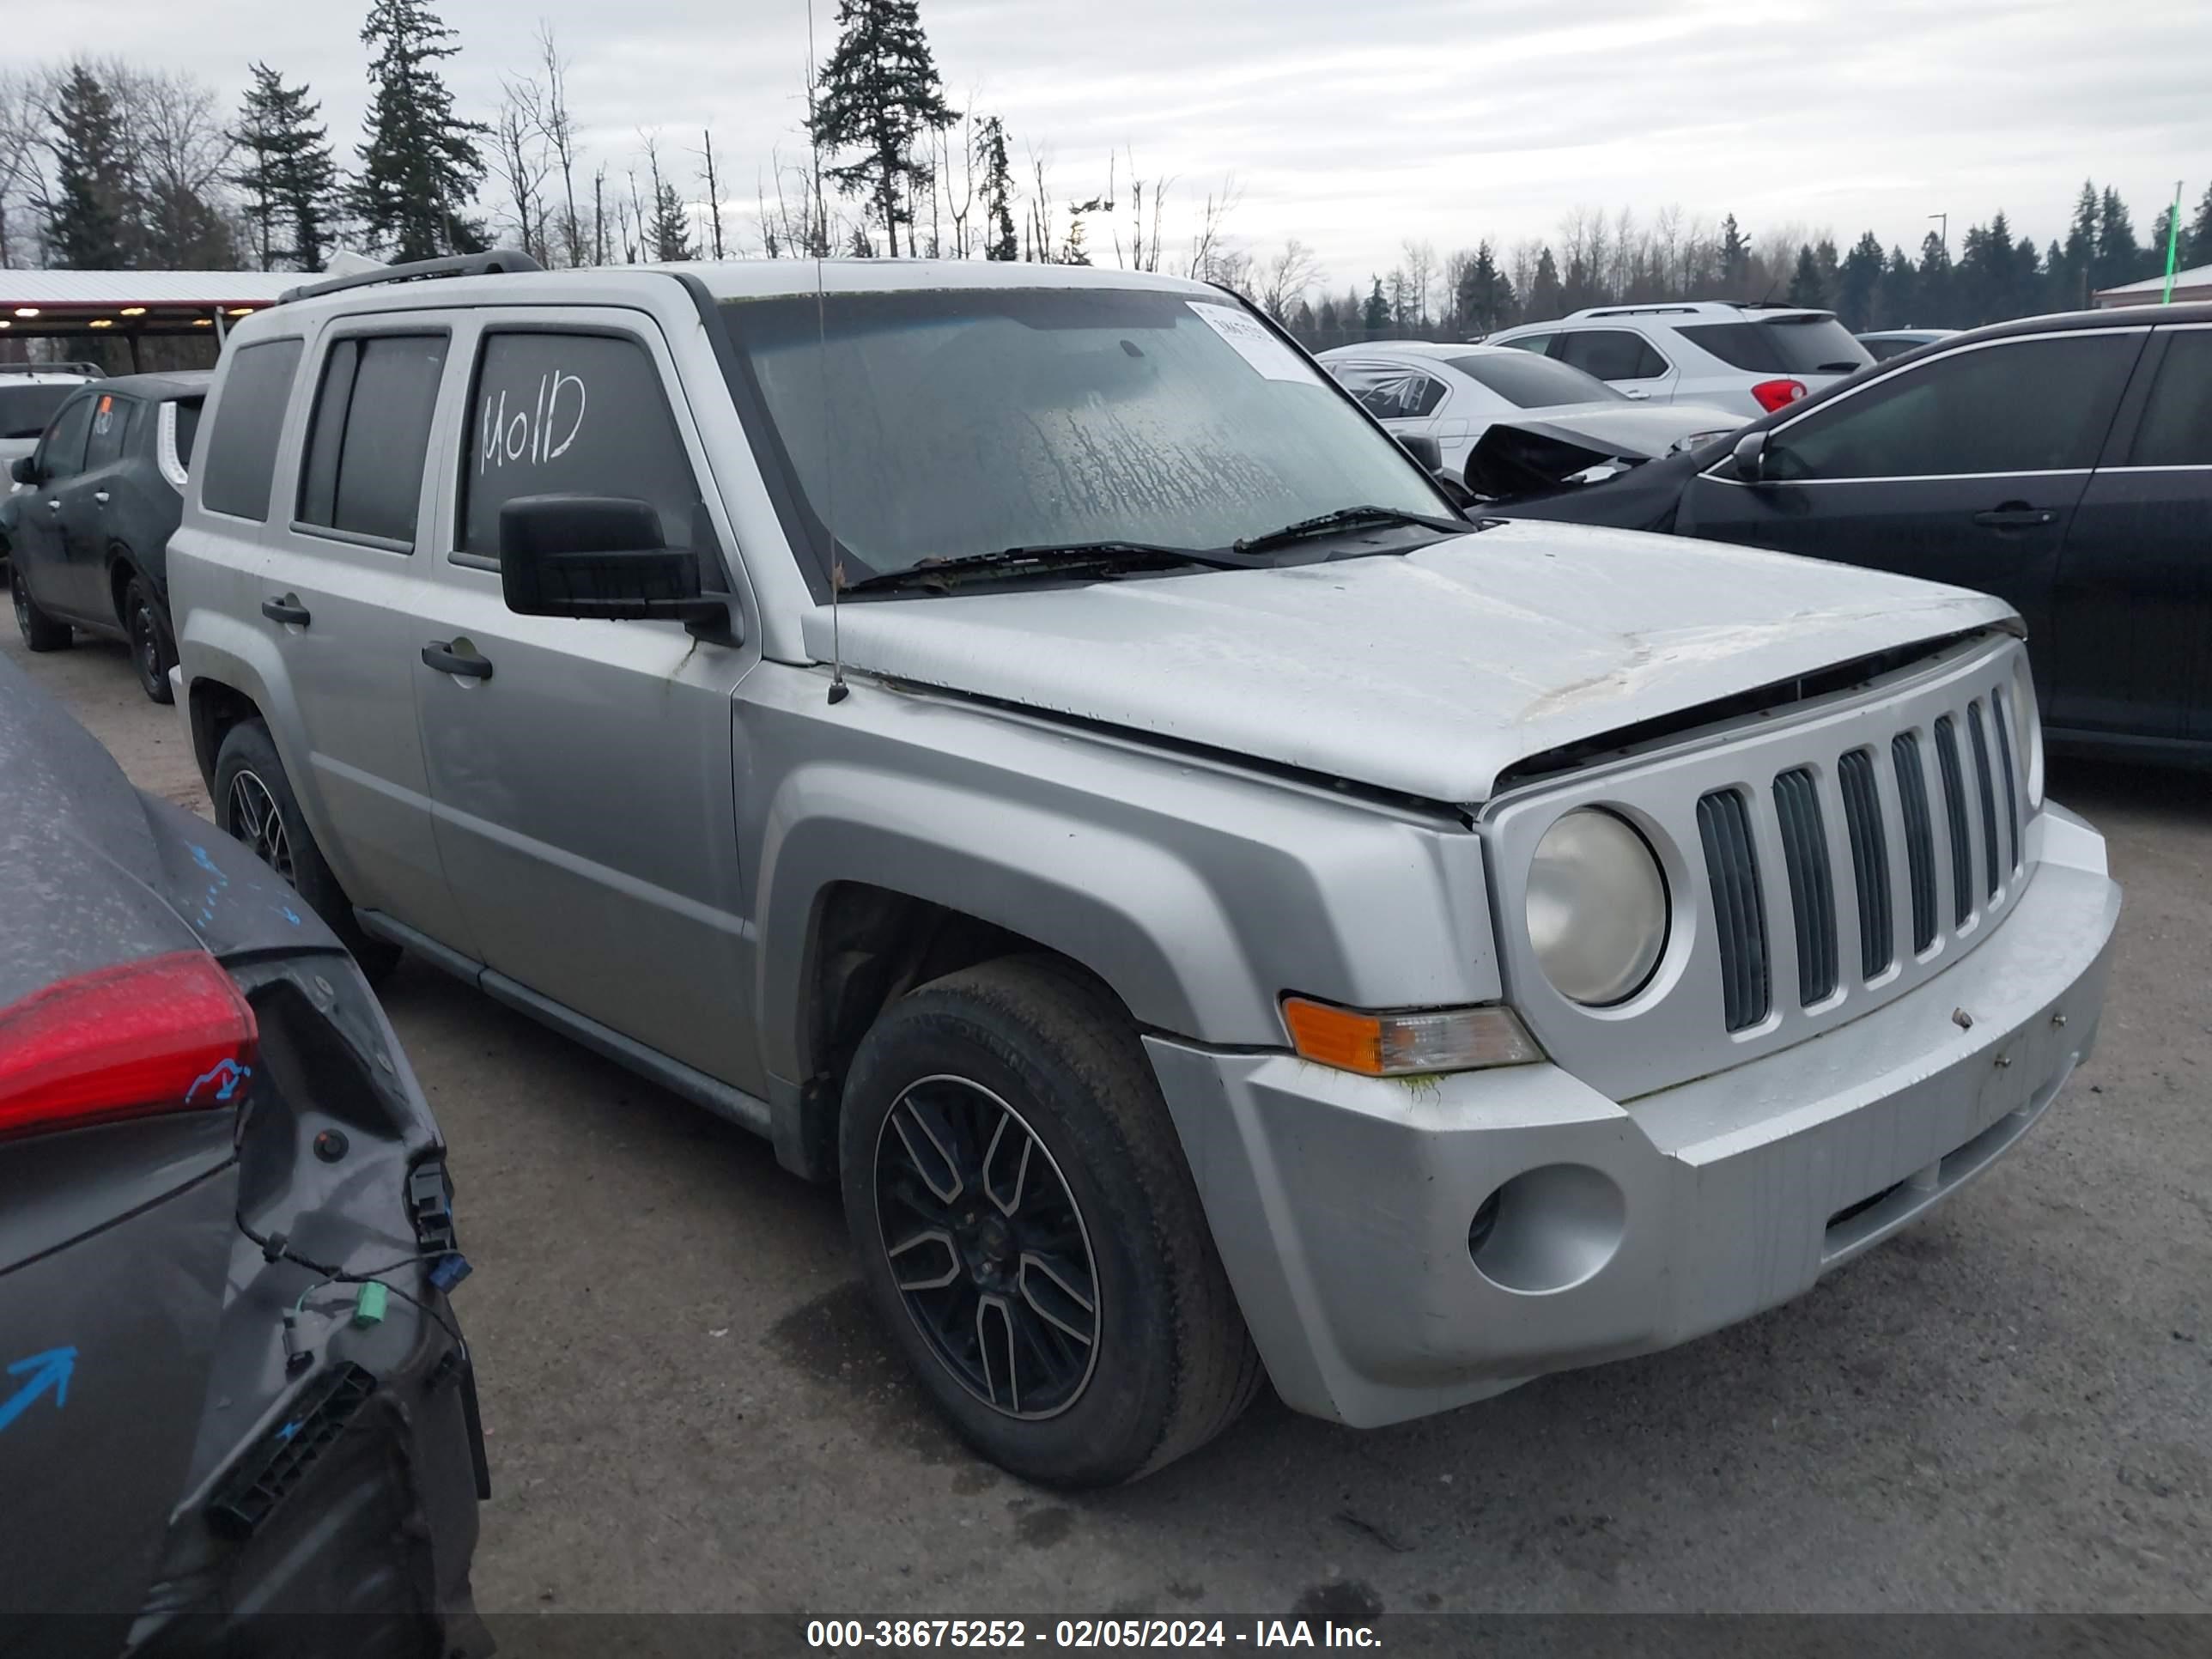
column 2027, row 732
column 1597, row 908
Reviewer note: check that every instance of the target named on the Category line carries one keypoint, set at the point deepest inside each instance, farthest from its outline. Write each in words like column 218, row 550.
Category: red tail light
column 166, row 1034
column 1773, row 394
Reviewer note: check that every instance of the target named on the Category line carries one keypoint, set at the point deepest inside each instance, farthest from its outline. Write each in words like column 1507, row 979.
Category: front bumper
column 1341, row 1205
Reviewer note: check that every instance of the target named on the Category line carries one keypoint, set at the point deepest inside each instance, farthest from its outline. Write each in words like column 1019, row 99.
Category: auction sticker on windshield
column 1254, row 343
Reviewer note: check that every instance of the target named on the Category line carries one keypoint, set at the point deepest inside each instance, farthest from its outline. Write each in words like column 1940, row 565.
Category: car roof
column 155, row 387
column 48, row 374
column 1414, row 349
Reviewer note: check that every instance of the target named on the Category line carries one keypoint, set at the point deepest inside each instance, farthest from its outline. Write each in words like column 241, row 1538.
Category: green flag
column 2172, row 245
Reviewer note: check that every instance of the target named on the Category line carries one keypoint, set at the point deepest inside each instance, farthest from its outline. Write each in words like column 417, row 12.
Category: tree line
column 105, row 164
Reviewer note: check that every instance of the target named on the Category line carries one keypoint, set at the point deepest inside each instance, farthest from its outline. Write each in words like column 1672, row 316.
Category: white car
column 1455, row 394
column 1751, row 357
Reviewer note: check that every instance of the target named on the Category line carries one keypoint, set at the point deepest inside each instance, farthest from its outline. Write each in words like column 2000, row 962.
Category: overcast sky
column 1355, row 125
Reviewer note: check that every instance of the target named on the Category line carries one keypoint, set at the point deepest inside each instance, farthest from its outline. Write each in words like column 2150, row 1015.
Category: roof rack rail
column 79, row 367
column 500, row 261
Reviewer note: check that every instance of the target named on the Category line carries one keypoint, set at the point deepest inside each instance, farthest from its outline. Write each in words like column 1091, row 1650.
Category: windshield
column 968, row 421
column 25, row 409
column 1810, row 342
column 1527, row 381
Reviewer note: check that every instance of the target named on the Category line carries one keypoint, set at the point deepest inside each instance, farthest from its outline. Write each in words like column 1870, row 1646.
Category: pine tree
column 1806, row 286
column 2197, row 237
column 1896, row 297
column 1484, row 296
column 92, row 212
column 420, row 163
column 2118, row 258
column 1932, row 286
column 288, row 175
column 1736, row 254
column 1374, row 313
column 878, row 93
column 1855, row 280
column 1547, row 297
column 998, row 193
column 669, row 237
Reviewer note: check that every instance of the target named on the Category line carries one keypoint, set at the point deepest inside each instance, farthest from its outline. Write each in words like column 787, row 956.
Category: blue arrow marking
column 50, row 1369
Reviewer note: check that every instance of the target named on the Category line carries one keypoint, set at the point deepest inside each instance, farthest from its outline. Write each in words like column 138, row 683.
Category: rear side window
column 111, row 417
column 241, row 456
column 1786, row 345
column 2032, row 405
column 1611, row 353
column 2177, row 421
column 25, row 409
column 62, row 454
column 1528, row 382
column 1539, row 344
column 188, row 429
column 571, row 414
column 362, row 473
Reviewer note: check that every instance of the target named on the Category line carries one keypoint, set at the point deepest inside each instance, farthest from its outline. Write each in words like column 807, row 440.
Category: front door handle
column 286, row 610
column 100, row 496
column 2015, row 516
column 440, row 655
column 55, row 502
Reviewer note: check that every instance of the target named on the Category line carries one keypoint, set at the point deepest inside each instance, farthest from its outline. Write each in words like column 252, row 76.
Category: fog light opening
column 1548, row 1229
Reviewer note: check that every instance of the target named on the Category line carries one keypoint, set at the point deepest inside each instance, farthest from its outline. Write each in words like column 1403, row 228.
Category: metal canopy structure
column 131, row 305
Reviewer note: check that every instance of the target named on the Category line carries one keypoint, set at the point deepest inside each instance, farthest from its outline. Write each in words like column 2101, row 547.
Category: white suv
column 1752, row 358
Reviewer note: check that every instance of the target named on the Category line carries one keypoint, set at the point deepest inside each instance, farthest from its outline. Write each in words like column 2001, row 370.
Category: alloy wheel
column 987, row 1247
column 255, row 821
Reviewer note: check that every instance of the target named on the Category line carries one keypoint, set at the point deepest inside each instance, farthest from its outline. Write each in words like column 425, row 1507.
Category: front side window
column 571, row 414
column 62, row 454
column 241, row 456
column 1390, row 391
column 2032, row 405
column 939, row 423
column 362, row 472
column 1611, row 353
column 1539, row 344
column 2176, row 421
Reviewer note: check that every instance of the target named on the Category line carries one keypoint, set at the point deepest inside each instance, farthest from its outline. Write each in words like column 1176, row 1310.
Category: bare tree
column 1420, row 277
column 714, row 194
column 548, row 113
column 22, row 125
column 521, row 162
column 1284, row 278
column 1208, row 246
column 180, row 145
column 1145, row 195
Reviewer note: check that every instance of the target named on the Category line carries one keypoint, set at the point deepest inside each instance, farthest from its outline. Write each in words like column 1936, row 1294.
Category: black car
column 231, row 1385
column 89, row 536
column 2063, row 463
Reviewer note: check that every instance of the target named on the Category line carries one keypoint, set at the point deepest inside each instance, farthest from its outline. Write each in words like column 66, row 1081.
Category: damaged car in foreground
column 1026, row 741
column 236, row 1415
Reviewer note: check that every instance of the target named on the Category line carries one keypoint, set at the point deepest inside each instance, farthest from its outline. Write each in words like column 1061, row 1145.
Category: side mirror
column 1427, row 451
column 1751, row 457
column 597, row 556
column 24, row 469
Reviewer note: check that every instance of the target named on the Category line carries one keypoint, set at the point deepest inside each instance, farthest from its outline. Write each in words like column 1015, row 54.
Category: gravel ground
column 690, row 1408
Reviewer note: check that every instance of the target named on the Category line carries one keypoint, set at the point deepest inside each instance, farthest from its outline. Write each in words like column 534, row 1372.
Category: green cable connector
column 368, row 1306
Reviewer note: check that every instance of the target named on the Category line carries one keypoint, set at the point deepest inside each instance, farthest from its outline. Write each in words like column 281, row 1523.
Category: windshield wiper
column 1058, row 558
column 1345, row 518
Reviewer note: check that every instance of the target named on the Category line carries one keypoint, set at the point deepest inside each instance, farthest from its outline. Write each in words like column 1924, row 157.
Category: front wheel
column 147, row 625
column 40, row 632
column 1029, row 1232
column 254, row 803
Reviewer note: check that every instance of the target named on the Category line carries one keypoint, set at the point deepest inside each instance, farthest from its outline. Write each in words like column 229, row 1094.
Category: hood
column 1427, row 674
column 1545, row 447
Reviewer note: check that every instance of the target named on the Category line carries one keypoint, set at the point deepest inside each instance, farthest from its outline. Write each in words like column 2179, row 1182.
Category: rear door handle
column 55, row 502
column 440, row 654
column 100, row 496
column 286, row 610
column 2016, row 516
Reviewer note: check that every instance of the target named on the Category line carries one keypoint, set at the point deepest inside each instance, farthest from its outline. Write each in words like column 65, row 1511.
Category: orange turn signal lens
column 1409, row 1043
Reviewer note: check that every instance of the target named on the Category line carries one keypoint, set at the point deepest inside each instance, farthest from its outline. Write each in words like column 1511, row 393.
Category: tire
column 40, row 632
column 153, row 650
column 1029, row 1048
column 254, row 804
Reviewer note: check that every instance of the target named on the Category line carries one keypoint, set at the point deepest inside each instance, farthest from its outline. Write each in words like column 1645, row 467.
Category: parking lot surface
column 689, row 1409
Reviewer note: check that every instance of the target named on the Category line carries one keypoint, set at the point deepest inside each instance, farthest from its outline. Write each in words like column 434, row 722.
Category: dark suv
column 88, row 535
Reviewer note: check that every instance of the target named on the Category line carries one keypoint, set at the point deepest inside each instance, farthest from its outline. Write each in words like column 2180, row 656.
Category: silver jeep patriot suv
column 1025, row 741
